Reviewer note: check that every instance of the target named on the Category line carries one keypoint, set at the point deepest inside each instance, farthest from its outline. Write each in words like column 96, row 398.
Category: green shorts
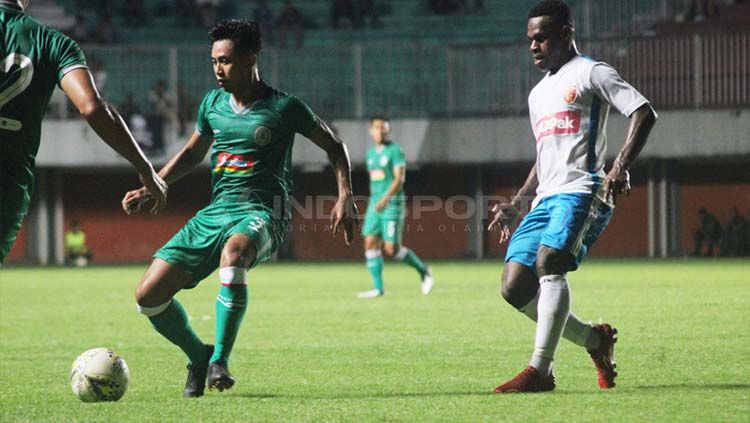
column 388, row 224
column 14, row 203
column 197, row 247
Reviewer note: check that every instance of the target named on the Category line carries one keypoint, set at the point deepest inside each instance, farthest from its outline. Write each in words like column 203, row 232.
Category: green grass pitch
column 310, row 351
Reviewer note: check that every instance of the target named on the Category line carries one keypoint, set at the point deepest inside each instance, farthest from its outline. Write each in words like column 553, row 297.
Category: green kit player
column 33, row 59
column 384, row 221
column 249, row 128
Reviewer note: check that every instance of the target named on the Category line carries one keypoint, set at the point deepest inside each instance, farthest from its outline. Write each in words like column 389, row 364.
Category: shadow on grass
column 727, row 386
column 367, row 396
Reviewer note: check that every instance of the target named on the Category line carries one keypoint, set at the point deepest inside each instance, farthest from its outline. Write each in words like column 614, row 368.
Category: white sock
column 552, row 313
column 576, row 330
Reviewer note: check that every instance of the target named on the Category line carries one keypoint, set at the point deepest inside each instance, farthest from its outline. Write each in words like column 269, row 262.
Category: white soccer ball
column 99, row 374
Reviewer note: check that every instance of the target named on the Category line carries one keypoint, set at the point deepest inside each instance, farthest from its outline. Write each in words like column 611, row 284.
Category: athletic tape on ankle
column 371, row 254
column 401, row 254
column 153, row 311
column 232, row 276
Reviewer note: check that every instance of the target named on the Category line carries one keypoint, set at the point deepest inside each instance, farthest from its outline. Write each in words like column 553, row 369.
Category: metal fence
column 421, row 80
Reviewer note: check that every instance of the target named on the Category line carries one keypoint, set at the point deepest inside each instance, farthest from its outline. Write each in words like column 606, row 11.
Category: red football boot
column 529, row 380
column 604, row 355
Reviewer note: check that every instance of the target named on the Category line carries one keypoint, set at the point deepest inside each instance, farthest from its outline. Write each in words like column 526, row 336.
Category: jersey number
column 22, row 76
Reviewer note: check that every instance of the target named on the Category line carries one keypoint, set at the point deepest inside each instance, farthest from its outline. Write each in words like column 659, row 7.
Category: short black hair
column 379, row 117
column 245, row 34
column 558, row 10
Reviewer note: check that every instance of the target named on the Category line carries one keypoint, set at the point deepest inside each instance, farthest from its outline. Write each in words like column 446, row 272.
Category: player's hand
column 345, row 214
column 157, row 188
column 381, row 204
column 504, row 217
column 616, row 182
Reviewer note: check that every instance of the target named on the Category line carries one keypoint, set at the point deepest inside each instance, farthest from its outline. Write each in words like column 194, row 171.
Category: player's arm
column 345, row 211
column 505, row 215
column 610, row 87
column 180, row 165
column 617, row 180
column 399, row 173
column 78, row 84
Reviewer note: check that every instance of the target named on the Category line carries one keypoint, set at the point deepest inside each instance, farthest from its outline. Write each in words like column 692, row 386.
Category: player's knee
column 550, row 261
column 389, row 250
column 146, row 303
column 239, row 251
column 371, row 243
column 518, row 287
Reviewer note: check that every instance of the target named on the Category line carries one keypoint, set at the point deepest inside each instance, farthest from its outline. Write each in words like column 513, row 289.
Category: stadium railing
column 428, row 80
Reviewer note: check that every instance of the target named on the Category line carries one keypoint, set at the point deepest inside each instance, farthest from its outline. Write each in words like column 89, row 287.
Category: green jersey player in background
column 249, row 128
column 384, row 222
column 33, row 59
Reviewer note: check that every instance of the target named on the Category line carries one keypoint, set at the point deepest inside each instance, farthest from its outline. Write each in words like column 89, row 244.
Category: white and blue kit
column 568, row 111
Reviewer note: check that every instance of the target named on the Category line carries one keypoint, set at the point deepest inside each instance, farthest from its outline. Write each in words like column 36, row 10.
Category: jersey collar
column 236, row 108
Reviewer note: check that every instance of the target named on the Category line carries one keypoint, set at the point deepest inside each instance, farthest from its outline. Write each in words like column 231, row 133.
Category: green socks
column 231, row 304
column 375, row 267
column 172, row 323
column 409, row 257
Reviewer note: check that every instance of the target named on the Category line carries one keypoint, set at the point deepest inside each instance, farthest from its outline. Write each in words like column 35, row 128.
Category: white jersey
column 569, row 111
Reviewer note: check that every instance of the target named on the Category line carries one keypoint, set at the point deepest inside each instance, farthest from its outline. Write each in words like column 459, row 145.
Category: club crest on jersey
column 233, row 163
column 383, row 160
column 262, row 136
column 571, row 93
column 567, row 122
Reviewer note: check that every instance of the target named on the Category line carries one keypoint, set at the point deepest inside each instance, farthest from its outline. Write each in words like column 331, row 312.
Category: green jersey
column 381, row 162
column 33, row 58
column 251, row 157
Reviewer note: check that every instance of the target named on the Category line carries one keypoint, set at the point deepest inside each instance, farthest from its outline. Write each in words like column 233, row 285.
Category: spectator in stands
column 709, row 231
column 137, row 123
column 105, row 31
column 341, row 9
column 207, row 11
column 160, row 114
column 444, row 7
column 291, row 19
column 80, row 30
column 77, row 253
column 100, row 74
column 134, row 13
column 734, row 242
column 265, row 19
column 185, row 109
column 700, row 10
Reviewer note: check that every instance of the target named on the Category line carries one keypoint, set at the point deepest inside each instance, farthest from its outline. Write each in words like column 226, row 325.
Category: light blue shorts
column 566, row 222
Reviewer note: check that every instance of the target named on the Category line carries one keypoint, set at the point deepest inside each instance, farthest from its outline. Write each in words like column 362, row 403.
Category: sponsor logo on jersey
column 567, row 122
column 233, row 163
column 262, row 136
column 571, row 93
column 377, row 175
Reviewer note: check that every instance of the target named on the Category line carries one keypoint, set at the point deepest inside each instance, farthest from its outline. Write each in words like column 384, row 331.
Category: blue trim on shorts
column 567, row 222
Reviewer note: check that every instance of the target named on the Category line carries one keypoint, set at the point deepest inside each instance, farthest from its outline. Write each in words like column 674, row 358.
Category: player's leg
column 375, row 263
column 237, row 256
column 576, row 221
column 155, row 299
column 520, row 288
column 14, row 203
column 393, row 247
column 371, row 231
column 251, row 241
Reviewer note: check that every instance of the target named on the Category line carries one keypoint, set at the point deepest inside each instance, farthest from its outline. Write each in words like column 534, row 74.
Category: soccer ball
column 99, row 374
